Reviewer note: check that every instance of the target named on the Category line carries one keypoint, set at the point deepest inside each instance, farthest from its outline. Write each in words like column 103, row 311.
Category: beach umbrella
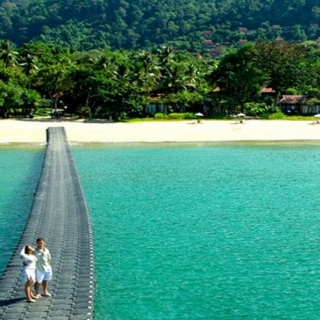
column 199, row 114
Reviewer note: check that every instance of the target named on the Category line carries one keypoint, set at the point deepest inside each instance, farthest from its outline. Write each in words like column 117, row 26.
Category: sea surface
column 193, row 231
column 20, row 169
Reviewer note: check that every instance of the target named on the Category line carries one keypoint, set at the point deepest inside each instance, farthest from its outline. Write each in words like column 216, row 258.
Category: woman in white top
column 28, row 271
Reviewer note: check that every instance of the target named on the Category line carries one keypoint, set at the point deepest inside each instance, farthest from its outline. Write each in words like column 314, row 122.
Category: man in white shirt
column 43, row 270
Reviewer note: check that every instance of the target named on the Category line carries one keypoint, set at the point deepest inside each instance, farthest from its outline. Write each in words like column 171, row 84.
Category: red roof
column 267, row 90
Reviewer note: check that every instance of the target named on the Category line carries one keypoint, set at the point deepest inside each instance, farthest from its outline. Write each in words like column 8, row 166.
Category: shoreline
column 19, row 131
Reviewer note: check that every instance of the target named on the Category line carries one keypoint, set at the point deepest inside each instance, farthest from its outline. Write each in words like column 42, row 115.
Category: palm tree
column 147, row 71
column 29, row 65
column 7, row 55
column 165, row 54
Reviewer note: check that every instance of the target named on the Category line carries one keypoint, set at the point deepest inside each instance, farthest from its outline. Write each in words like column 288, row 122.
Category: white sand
column 21, row 131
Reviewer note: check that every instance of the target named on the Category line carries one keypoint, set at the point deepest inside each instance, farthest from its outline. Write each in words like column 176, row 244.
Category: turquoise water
column 20, row 169
column 194, row 232
column 205, row 232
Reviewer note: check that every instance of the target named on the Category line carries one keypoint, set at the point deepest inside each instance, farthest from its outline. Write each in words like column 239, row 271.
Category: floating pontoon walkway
column 60, row 215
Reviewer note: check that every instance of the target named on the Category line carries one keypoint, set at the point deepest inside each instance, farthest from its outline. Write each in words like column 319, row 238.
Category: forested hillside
column 131, row 24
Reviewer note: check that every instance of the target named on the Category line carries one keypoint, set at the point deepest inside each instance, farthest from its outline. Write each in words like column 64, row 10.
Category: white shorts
column 44, row 275
column 28, row 274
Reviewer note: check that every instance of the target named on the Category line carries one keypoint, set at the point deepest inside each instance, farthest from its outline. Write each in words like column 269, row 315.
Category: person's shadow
column 8, row 302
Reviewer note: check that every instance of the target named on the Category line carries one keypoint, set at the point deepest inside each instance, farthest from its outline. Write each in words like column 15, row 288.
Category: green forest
column 193, row 25
column 117, row 59
column 119, row 84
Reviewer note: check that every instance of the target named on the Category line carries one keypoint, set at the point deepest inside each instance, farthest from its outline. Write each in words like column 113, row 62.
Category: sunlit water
column 202, row 232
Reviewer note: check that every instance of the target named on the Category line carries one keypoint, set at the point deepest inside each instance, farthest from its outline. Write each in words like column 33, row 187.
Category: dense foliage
column 123, row 83
column 137, row 24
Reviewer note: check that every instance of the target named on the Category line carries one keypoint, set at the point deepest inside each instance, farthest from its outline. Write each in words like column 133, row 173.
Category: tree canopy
column 126, row 83
column 136, row 24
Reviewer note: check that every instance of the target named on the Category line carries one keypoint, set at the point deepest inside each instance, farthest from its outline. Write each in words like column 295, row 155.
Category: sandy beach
column 34, row 131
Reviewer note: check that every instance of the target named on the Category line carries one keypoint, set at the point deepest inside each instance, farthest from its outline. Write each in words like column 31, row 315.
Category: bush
column 174, row 115
column 255, row 109
column 277, row 115
column 160, row 116
column 189, row 115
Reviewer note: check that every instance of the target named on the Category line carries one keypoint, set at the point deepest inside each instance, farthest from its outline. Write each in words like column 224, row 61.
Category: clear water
column 200, row 232
column 20, row 169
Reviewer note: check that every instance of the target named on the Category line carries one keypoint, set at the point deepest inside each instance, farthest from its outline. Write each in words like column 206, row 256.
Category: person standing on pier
column 43, row 270
column 28, row 271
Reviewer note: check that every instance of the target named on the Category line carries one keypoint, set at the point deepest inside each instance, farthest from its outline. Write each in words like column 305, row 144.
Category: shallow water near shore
column 199, row 231
column 20, row 168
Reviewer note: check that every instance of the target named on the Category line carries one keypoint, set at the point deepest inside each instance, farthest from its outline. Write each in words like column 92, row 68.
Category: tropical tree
column 11, row 95
column 84, row 89
column 29, row 65
column 146, row 71
column 238, row 77
column 282, row 63
column 53, row 78
column 7, row 54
